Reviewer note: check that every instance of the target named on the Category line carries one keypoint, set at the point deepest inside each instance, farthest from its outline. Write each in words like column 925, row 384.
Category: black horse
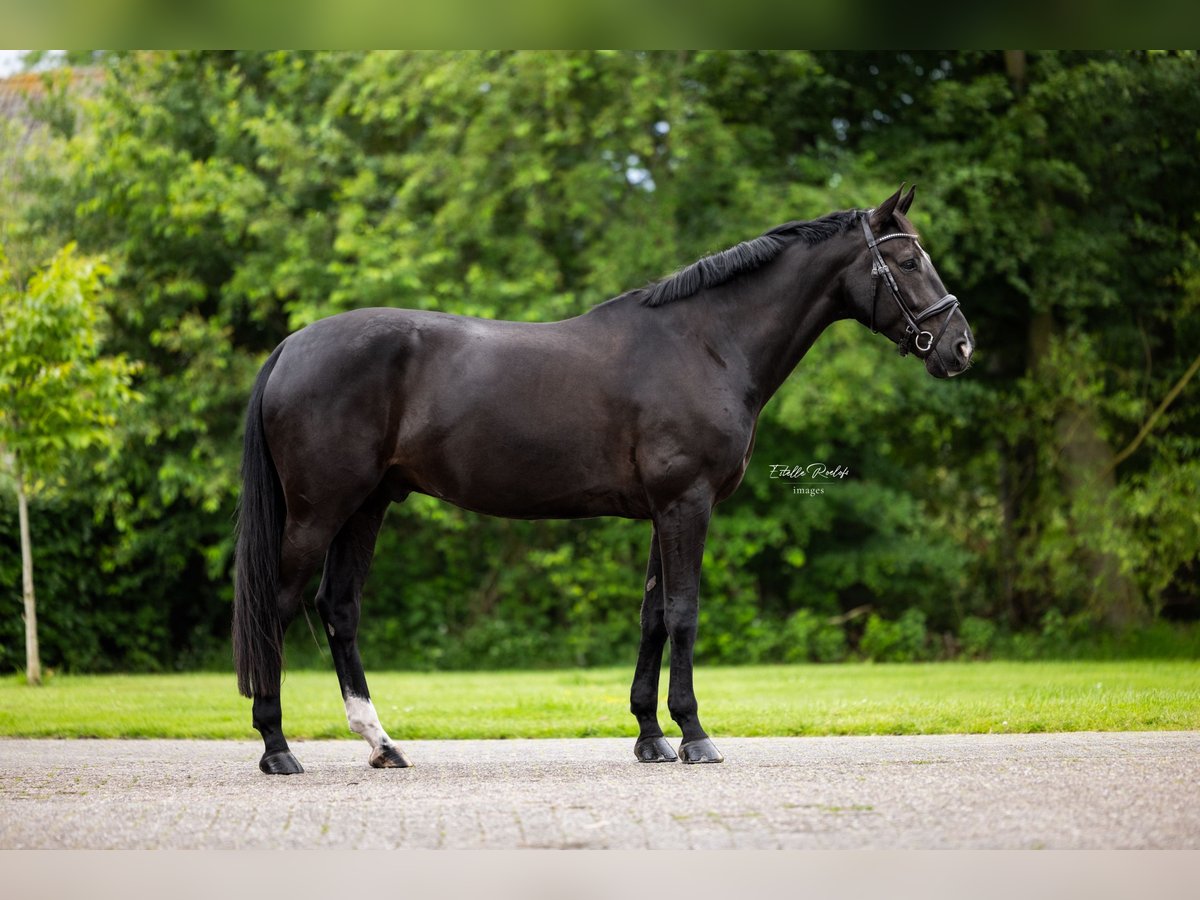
column 644, row 407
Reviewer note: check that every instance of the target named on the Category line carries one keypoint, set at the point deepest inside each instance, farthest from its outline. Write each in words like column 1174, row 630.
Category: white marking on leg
column 360, row 713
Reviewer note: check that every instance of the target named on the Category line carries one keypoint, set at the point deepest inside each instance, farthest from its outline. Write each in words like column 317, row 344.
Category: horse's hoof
column 389, row 756
column 701, row 751
column 281, row 762
column 653, row 750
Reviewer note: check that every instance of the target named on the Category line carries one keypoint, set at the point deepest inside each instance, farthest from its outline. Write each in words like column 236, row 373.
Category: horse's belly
column 579, row 505
column 516, row 493
column 520, row 471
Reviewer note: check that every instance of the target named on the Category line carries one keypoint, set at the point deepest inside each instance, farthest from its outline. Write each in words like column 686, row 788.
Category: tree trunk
column 1086, row 472
column 1018, row 459
column 1014, row 67
column 33, row 659
column 1087, row 459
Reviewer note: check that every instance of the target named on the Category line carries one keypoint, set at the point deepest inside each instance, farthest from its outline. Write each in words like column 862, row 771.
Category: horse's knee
column 680, row 618
column 643, row 700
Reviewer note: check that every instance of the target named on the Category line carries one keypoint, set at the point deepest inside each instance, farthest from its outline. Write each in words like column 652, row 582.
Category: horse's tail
column 257, row 632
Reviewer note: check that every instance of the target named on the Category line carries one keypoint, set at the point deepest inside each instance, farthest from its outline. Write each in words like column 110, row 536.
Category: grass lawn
column 852, row 698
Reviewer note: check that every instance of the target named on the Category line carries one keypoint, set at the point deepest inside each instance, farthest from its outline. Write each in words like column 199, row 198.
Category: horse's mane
column 744, row 257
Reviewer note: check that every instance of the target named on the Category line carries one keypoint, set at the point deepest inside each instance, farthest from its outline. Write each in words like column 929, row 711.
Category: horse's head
column 899, row 292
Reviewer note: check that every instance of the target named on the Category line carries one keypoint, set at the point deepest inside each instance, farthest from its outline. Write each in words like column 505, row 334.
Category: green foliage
column 1087, row 216
column 977, row 637
column 806, row 637
column 901, row 641
column 240, row 195
column 58, row 394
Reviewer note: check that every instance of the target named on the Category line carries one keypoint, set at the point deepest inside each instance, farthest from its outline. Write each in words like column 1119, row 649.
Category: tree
column 58, row 395
column 1070, row 189
column 240, row 195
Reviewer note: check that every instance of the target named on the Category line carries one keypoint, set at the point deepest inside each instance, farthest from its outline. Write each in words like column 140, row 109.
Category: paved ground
column 1101, row 791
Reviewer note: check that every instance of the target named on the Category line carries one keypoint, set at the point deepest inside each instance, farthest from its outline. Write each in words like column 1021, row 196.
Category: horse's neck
column 774, row 316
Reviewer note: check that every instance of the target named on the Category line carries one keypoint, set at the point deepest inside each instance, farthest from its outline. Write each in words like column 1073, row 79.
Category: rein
column 913, row 332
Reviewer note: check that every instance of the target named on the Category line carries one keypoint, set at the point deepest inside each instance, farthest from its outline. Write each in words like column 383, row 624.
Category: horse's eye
column 909, row 265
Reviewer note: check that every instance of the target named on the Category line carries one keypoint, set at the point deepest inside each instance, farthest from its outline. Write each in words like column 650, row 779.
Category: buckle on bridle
column 928, row 341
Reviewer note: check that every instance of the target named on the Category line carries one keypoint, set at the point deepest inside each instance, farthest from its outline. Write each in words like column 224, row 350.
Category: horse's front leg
column 651, row 745
column 682, row 528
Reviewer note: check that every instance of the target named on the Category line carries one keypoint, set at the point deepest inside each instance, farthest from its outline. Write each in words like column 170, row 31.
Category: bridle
column 914, row 334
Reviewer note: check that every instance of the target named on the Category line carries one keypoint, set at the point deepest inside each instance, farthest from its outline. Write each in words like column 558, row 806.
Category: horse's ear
column 906, row 201
column 883, row 213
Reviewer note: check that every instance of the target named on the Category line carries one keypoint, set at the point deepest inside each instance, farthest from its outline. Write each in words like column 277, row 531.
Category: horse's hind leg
column 339, row 601
column 300, row 554
column 651, row 745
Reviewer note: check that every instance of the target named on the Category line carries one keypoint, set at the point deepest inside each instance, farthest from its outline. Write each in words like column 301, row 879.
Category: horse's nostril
column 964, row 350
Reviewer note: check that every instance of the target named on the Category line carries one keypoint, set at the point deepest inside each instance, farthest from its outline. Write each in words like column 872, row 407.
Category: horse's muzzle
column 947, row 361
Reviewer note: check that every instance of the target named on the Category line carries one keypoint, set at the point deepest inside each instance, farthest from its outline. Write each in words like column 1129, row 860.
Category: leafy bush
column 901, row 641
column 829, row 643
column 807, row 637
column 976, row 637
